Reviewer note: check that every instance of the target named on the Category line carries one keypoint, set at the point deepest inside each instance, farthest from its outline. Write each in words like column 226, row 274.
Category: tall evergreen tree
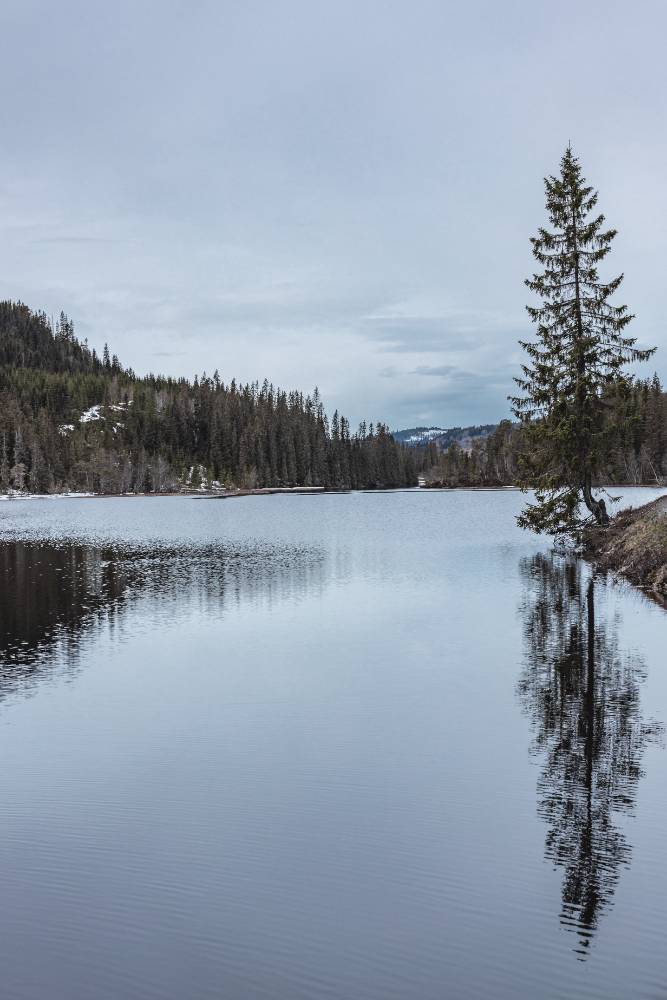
column 580, row 351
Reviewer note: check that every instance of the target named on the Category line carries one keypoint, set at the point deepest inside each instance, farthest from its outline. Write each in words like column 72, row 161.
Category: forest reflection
column 582, row 694
column 52, row 596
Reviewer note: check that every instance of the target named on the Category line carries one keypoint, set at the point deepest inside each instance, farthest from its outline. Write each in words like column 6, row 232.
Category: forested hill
column 631, row 447
column 444, row 437
column 71, row 420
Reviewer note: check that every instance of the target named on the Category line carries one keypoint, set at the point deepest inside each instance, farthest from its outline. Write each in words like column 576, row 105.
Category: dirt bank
column 634, row 545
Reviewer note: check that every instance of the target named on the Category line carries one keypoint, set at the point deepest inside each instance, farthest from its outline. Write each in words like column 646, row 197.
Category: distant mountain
column 443, row 437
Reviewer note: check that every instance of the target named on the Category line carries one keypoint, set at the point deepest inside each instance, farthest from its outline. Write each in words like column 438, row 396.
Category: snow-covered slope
column 443, row 437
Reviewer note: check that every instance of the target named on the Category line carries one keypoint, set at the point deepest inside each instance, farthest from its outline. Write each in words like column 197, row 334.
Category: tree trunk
column 598, row 508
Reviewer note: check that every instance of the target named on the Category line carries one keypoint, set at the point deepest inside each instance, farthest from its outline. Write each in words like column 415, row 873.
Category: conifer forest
column 71, row 420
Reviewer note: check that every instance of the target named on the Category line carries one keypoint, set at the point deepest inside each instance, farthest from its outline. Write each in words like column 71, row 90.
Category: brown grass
column 635, row 545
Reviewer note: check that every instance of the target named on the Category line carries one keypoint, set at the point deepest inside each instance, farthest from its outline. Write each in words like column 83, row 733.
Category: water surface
column 346, row 746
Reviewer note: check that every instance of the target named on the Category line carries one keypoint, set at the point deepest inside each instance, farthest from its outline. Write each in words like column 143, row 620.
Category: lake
column 360, row 746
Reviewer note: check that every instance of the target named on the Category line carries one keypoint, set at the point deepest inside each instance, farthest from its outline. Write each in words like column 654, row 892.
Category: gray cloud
column 85, row 240
column 309, row 191
column 439, row 371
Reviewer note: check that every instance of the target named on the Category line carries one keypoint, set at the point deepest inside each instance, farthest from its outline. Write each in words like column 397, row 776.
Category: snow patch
column 95, row 413
column 204, row 485
column 426, row 435
column 16, row 495
column 92, row 414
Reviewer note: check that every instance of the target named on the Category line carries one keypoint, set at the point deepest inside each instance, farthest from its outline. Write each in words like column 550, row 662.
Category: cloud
column 411, row 334
column 264, row 193
column 75, row 240
column 439, row 371
column 429, row 326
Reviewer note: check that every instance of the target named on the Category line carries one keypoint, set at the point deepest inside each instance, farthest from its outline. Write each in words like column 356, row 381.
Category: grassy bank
column 634, row 545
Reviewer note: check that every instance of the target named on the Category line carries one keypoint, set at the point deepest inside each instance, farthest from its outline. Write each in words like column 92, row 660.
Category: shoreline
column 210, row 494
column 289, row 491
column 634, row 546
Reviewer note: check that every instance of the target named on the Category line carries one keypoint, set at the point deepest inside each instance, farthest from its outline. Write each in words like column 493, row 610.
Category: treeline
column 72, row 420
column 632, row 447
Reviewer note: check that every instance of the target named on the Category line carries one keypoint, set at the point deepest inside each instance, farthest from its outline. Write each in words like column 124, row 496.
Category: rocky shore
column 634, row 545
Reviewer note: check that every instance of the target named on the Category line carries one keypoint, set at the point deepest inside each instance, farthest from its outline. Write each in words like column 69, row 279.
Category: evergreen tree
column 654, row 428
column 4, row 462
column 580, row 351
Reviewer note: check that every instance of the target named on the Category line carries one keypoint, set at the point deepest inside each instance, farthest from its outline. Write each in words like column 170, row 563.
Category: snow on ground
column 95, row 413
column 14, row 495
column 205, row 485
column 426, row 435
column 92, row 414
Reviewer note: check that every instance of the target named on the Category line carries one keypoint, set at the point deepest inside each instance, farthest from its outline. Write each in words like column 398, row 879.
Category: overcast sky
column 330, row 192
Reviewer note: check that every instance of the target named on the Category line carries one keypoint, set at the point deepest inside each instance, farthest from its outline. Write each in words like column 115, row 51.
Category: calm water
column 366, row 746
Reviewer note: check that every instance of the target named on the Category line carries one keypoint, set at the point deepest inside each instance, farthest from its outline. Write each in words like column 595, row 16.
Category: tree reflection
column 581, row 692
column 54, row 596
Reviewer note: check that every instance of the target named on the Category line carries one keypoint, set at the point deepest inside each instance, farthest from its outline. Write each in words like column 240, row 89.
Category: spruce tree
column 580, row 351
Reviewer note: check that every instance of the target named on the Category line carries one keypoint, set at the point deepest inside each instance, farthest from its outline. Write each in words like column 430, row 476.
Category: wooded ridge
column 71, row 420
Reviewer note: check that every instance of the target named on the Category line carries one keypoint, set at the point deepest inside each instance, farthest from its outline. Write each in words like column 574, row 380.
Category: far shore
column 210, row 494
column 290, row 491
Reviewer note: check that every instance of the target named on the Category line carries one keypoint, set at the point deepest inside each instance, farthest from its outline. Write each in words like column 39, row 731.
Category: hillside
column 70, row 420
column 443, row 438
